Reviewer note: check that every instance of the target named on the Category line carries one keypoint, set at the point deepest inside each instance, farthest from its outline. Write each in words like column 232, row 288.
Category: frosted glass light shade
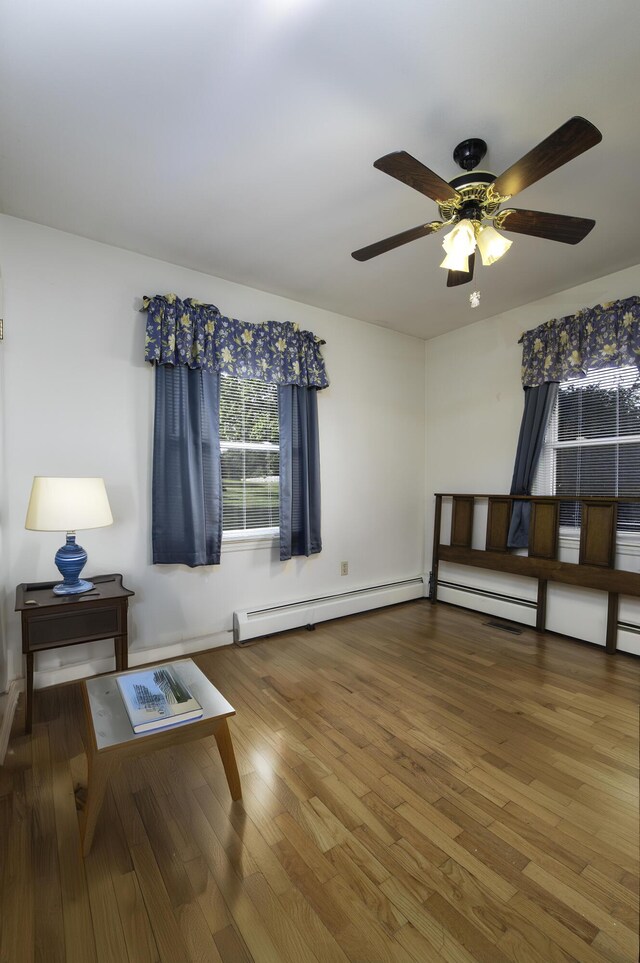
column 67, row 504
column 491, row 244
column 456, row 262
column 461, row 239
column 458, row 244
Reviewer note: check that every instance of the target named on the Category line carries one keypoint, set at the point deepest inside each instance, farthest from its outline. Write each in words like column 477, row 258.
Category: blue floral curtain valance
column 196, row 335
column 605, row 336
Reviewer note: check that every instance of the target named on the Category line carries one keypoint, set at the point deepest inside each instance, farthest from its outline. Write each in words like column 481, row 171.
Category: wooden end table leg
column 228, row 756
column 124, row 648
column 100, row 768
column 121, row 650
column 28, row 694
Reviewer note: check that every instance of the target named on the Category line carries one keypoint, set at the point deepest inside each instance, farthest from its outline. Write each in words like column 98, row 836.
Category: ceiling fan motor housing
column 469, row 153
column 472, row 186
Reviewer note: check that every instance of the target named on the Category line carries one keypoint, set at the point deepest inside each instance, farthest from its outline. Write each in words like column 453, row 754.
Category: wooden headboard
column 595, row 568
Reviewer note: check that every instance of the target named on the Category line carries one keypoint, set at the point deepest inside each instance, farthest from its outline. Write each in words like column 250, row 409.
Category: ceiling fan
column 470, row 203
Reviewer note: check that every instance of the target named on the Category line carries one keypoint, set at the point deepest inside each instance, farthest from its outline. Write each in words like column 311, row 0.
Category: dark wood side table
column 50, row 621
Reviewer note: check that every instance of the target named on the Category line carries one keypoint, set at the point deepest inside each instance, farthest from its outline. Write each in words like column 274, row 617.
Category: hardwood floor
column 417, row 786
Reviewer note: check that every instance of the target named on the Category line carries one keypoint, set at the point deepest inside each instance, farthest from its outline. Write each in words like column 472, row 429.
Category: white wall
column 79, row 401
column 4, row 568
column 474, row 404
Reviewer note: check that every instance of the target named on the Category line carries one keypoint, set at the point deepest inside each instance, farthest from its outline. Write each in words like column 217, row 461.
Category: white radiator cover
column 267, row 619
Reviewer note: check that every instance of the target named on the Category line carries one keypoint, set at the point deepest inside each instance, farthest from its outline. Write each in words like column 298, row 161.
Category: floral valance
column 605, row 336
column 195, row 334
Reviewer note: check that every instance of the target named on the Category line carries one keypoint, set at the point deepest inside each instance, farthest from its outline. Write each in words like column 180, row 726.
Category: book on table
column 155, row 698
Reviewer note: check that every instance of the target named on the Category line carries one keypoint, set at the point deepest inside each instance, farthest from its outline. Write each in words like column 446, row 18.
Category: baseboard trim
column 14, row 690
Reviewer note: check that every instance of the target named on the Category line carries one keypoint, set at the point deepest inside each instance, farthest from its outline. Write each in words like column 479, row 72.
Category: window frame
column 629, row 541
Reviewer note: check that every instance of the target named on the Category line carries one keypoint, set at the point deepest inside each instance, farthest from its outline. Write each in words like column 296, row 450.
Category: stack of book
column 155, row 698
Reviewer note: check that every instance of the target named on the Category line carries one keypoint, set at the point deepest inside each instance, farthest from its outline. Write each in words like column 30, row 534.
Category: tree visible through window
column 592, row 444
column 250, row 456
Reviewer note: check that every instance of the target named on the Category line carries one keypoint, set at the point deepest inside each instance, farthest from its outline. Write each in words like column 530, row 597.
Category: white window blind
column 592, row 444
column 250, row 456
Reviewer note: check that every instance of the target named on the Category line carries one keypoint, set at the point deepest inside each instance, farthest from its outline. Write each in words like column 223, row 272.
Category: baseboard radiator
column 253, row 623
column 500, row 604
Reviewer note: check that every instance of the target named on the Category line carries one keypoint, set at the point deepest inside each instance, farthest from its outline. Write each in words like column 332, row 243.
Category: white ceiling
column 238, row 137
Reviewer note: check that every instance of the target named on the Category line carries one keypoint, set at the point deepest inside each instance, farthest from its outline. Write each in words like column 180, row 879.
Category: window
column 250, row 457
column 592, row 444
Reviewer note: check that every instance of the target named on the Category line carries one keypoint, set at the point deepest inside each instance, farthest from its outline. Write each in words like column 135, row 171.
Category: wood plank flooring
column 417, row 786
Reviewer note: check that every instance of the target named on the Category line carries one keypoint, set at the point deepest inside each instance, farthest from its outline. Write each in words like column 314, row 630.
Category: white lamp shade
column 491, row 244
column 67, row 505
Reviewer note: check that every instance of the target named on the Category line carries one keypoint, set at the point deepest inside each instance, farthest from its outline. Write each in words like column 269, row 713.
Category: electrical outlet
column 344, row 568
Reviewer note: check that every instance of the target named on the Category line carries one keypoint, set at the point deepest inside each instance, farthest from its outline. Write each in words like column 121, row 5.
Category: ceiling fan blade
column 554, row 227
column 454, row 278
column 372, row 250
column 410, row 171
column 567, row 142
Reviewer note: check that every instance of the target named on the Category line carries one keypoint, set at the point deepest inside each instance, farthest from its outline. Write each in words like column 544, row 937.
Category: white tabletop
column 111, row 722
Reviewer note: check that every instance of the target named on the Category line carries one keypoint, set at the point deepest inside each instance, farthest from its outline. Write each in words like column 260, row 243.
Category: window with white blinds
column 250, row 457
column 592, row 444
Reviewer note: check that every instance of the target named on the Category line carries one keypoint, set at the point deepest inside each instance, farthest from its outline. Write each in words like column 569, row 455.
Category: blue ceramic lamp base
column 70, row 560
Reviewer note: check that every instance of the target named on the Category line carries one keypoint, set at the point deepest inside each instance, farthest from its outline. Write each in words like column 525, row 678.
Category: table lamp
column 67, row 505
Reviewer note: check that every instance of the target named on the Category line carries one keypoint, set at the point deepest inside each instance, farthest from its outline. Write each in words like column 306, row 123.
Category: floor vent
column 504, row 627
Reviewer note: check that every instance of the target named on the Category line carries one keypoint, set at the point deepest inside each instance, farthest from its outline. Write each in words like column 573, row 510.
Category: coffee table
column 112, row 739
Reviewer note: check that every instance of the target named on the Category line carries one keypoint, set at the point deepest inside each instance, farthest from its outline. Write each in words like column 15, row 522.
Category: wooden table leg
column 541, row 606
column 28, row 694
column 100, row 768
column 124, row 649
column 228, row 756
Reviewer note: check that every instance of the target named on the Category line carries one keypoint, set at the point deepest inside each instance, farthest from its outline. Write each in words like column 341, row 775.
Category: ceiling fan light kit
column 462, row 240
column 471, row 203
